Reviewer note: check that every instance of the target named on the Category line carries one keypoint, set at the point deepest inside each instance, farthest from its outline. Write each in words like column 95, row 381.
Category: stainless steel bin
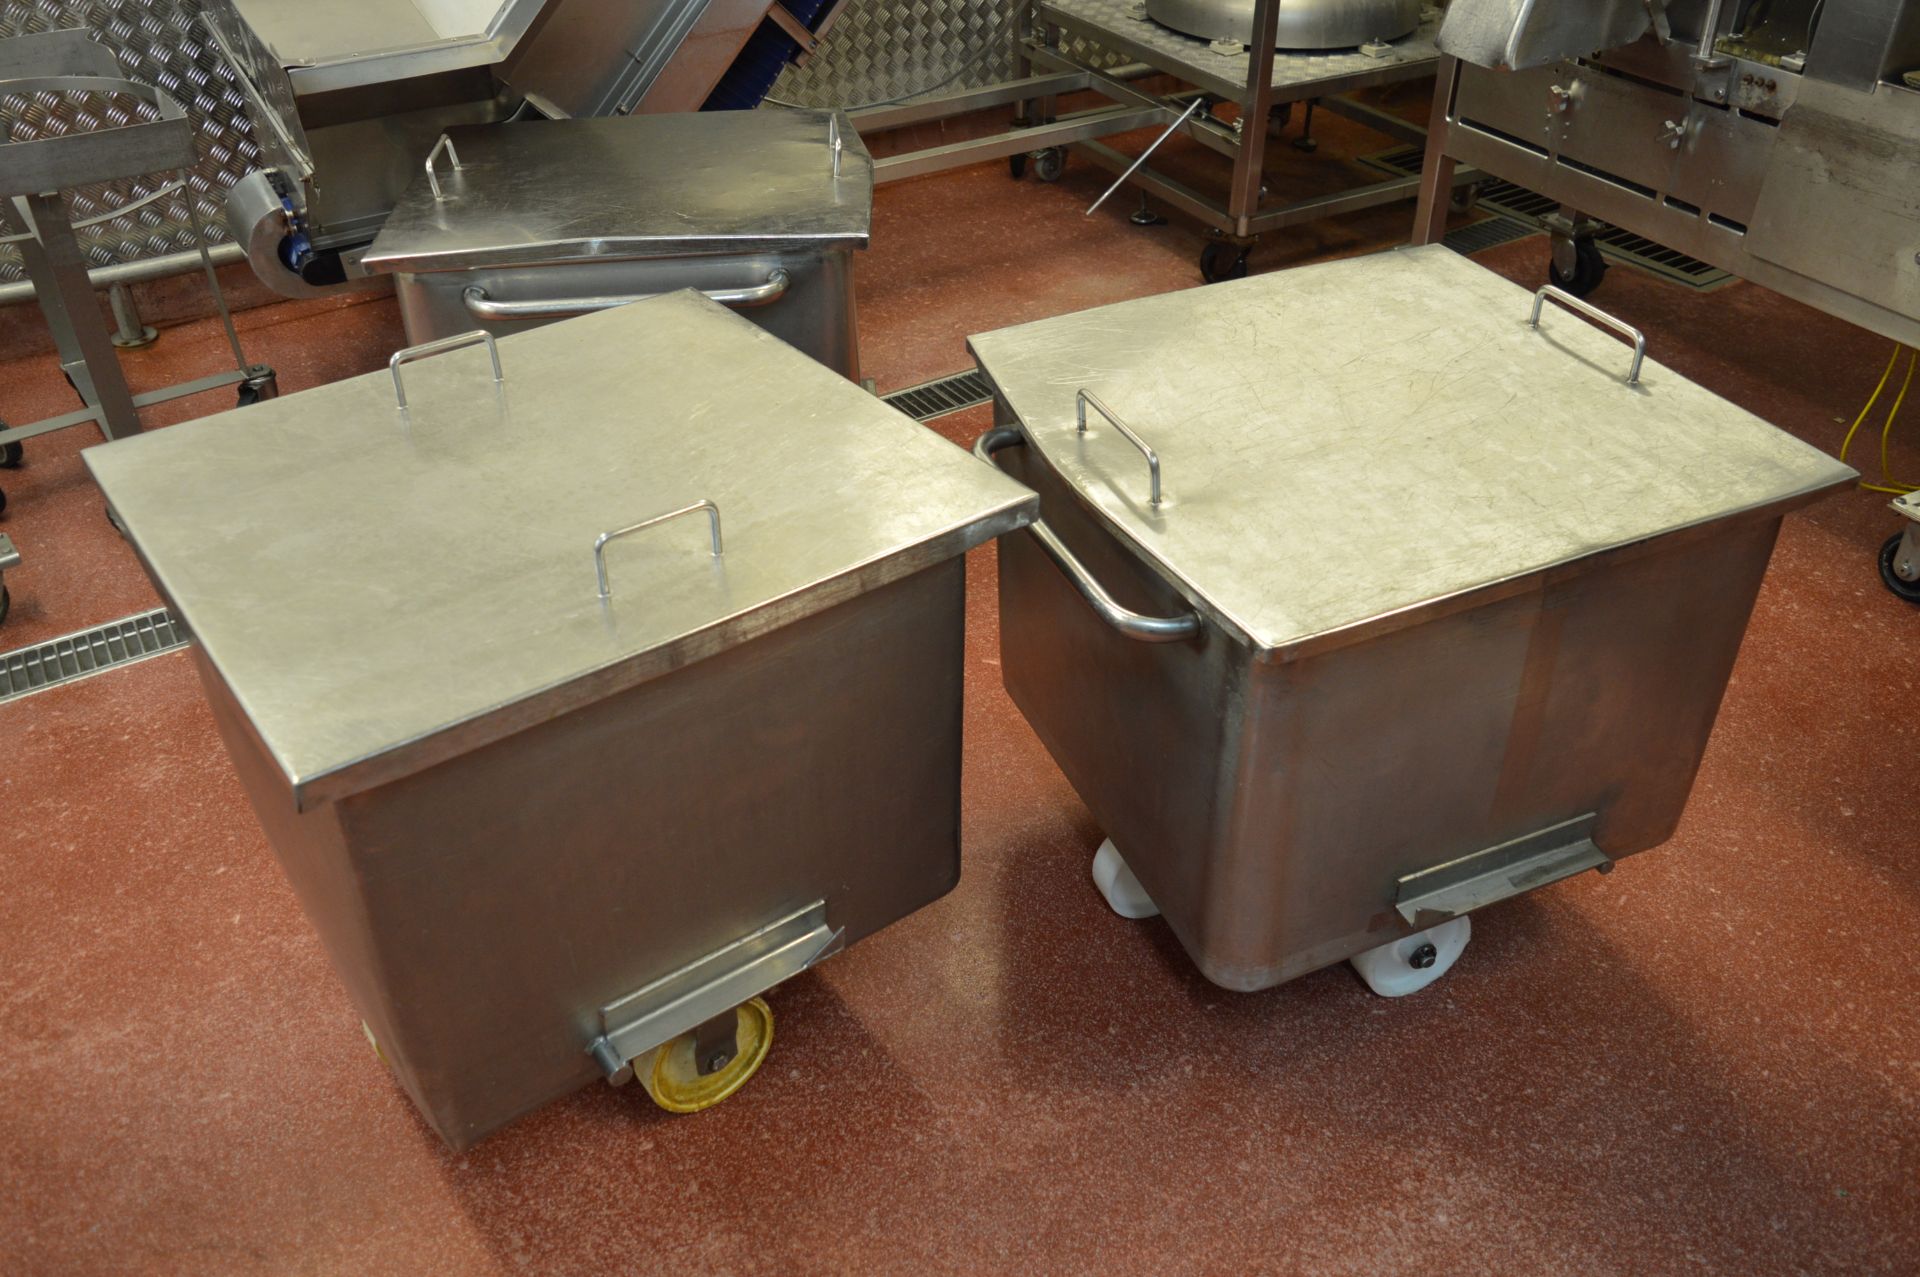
column 559, row 780
column 514, row 225
column 1383, row 604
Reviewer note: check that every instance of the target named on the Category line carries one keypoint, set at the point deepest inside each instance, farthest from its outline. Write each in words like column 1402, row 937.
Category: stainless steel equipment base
column 37, row 174
column 1259, row 83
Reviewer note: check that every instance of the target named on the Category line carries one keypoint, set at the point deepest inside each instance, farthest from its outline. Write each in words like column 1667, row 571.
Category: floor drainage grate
column 1518, row 204
column 73, row 657
column 1490, row 233
column 941, row 396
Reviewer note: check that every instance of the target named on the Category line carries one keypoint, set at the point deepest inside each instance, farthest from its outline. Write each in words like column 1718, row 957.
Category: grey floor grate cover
column 76, row 656
column 1519, row 205
column 944, row 395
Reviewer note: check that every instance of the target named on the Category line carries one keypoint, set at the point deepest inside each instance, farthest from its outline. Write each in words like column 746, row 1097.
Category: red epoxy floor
column 1708, row 1061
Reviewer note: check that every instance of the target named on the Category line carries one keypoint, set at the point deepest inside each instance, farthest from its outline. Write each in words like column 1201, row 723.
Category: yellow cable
column 1871, row 400
column 1886, row 467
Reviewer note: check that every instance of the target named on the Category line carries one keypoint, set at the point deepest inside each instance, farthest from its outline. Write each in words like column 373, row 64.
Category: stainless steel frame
column 35, row 175
column 1789, row 161
column 1257, row 79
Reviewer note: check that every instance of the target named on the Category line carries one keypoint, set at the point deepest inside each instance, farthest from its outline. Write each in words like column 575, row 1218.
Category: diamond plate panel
column 882, row 49
column 158, row 42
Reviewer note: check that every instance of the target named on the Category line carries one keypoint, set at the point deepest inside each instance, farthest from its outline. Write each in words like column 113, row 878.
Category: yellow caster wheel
column 672, row 1076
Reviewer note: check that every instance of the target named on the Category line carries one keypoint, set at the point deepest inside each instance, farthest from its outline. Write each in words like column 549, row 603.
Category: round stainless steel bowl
column 1304, row 24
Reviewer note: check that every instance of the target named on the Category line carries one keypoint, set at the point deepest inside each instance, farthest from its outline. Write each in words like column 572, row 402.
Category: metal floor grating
column 1518, row 204
column 73, row 657
column 941, row 396
column 1489, row 233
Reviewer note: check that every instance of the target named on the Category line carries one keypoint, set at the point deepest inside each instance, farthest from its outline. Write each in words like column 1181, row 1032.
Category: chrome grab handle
column 1135, row 625
column 1084, row 397
column 455, row 342
column 600, row 542
column 482, row 306
column 1598, row 316
column 433, row 179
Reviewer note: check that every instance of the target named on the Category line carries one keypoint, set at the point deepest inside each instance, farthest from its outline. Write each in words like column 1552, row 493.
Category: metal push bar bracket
column 709, row 987
column 1433, row 896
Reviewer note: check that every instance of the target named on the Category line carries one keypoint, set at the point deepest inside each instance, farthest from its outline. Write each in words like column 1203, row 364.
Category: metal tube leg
column 1436, row 173
column 59, row 275
column 1249, row 162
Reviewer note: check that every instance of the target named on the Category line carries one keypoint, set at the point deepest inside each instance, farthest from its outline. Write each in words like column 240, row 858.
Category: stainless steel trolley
column 1339, row 646
column 583, row 694
column 518, row 224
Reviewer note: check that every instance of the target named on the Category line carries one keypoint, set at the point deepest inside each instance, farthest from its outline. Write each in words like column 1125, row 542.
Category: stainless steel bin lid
column 635, row 186
column 1343, row 443
column 385, row 589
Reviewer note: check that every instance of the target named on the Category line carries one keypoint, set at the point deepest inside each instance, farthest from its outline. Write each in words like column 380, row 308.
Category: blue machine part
column 765, row 54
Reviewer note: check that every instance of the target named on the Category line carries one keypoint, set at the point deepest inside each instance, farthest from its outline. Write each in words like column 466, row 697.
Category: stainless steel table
column 1343, row 643
column 521, row 224
column 1258, row 83
column 586, row 696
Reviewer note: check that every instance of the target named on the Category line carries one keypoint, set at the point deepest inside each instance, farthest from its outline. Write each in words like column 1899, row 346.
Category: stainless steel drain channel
column 72, row 657
column 942, row 395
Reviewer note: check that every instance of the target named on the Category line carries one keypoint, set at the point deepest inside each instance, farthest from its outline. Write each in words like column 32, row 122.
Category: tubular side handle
column 482, row 306
column 1598, row 316
column 433, row 179
column 1135, row 625
column 600, row 542
column 455, row 342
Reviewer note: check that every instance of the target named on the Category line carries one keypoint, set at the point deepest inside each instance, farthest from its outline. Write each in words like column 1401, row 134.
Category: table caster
column 1576, row 265
column 1893, row 562
column 1049, row 164
column 1221, row 260
column 261, row 384
column 1118, row 887
column 1411, row 963
column 698, row 1070
column 10, row 453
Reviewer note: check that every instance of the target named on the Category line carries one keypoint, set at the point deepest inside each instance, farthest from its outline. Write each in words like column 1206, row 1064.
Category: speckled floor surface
column 1707, row 1061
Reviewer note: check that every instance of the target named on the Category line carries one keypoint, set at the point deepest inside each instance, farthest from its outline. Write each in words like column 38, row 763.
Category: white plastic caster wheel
column 1413, row 962
column 1122, row 891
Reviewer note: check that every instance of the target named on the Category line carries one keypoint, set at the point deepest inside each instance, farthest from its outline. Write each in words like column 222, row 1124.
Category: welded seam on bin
column 84, row 653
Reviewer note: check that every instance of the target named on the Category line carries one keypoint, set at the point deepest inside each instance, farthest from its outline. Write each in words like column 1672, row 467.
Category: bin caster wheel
column 1048, row 165
column 1413, row 962
column 1223, row 261
column 1017, row 165
column 1463, row 198
column 1889, row 558
column 1585, row 271
column 672, row 1075
column 1118, row 887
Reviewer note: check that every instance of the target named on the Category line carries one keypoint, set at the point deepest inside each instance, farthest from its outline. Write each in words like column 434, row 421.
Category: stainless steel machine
column 38, row 176
column 586, row 686
column 347, row 98
column 1301, row 24
column 1776, row 139
column 522, row 224
column 1342, row 647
